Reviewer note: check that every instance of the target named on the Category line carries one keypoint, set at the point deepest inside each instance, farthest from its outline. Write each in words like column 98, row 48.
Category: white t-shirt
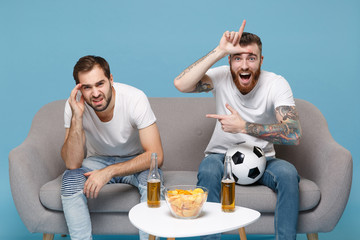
column 258, row 106
column 120, row 136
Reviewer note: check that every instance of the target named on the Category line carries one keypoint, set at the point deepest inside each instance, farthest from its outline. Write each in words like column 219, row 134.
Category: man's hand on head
column 77, row 107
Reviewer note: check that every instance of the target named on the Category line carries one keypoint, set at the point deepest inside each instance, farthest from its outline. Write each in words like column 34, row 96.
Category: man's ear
column 111, row 79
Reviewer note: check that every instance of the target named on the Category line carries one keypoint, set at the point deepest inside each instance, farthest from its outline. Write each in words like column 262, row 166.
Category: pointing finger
column 241, row 30
column 216, row 116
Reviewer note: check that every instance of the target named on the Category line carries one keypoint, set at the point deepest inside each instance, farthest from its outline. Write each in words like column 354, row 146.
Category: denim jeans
column 280, row 175
column 75, row 202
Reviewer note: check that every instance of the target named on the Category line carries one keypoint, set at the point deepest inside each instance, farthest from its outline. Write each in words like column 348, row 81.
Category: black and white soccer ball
column 248, row 163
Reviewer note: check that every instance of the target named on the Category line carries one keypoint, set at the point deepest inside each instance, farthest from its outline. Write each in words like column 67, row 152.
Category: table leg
column 151, row 237
column 242, row 233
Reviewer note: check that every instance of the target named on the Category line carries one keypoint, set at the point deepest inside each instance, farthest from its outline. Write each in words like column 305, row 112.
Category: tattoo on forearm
column 287, row 132
column 194, row 64
column 202, row 87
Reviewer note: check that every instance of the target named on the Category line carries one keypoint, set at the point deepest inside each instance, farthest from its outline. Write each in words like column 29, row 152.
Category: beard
column 236, row 79
column 106, row 98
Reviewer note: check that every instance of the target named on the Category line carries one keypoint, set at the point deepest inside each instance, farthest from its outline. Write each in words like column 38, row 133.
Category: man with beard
column 254, row 106
column 116, row 125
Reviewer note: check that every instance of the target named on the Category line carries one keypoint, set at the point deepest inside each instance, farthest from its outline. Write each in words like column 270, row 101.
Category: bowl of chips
column 185, row 201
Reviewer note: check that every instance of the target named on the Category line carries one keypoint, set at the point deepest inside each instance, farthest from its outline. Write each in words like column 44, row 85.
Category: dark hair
column 87, row 63
column 250, row 38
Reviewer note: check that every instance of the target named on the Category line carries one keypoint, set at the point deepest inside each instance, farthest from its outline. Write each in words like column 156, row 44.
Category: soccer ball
column 248, row 163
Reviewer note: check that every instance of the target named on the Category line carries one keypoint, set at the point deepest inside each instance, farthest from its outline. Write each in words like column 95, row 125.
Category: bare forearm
column 72, row 151
column 137, row 164
column 188, row 79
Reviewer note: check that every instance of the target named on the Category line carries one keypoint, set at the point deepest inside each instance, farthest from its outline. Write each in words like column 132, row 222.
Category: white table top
column 159, row 221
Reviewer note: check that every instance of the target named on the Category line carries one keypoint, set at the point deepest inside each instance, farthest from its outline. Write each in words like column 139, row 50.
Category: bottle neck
column 153, row 172
column 153, row 162
column 228, row 169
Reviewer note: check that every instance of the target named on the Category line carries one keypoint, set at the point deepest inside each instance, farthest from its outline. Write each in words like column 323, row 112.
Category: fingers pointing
column 242, row 27
column 216, row 116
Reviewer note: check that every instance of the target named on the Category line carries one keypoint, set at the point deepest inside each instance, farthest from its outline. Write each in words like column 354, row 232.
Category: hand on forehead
column 251, row 49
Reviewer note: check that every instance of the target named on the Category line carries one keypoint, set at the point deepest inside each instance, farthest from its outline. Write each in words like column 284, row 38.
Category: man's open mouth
column 245, row 76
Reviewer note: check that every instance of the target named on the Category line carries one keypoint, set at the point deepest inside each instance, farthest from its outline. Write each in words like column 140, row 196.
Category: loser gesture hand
column 229, row 42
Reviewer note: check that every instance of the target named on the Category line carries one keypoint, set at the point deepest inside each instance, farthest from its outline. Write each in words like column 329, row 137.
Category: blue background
column 315, row 45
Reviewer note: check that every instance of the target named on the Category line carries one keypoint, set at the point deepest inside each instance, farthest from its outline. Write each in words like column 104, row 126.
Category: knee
column 211, row 168
column 73, row 181
column 289, row 178
column 289, row 173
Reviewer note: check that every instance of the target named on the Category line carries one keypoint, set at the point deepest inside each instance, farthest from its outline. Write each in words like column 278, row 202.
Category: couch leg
column 242, row 233
column 48, row 236
column 312, row 236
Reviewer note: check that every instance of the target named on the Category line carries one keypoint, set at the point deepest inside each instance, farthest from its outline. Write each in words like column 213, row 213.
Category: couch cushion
column 112, row 197
column 122, row 197
column 263, row 199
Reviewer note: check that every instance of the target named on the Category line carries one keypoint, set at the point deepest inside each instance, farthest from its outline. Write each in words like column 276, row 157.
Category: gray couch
column 36, row 168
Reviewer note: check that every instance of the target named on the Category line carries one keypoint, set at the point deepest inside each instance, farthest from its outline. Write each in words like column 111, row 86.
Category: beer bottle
column 227, row 188
column 153, row 183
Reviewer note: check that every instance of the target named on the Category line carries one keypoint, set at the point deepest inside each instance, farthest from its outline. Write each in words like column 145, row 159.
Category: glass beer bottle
column 227, row 188
column 153, row 183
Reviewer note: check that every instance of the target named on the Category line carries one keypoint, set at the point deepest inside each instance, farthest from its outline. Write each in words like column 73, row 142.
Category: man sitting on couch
column 117, row 125
column 252, row 105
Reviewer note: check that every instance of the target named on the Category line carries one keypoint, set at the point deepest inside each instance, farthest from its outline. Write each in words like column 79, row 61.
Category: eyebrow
column 250, row 54
column 89, row 85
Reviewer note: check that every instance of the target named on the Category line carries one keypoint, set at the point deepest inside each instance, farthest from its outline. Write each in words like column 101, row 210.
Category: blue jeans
column 75, row 202
column 280, row 175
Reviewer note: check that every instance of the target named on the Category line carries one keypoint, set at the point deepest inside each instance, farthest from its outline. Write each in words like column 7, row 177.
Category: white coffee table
column 159, row 221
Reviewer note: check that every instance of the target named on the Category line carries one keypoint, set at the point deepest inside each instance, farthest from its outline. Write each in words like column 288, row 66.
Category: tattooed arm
column 287, row 131
column 194, row 78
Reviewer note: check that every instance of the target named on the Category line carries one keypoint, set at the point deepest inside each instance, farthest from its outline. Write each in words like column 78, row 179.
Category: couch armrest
column 321, row 159
column 36, row 161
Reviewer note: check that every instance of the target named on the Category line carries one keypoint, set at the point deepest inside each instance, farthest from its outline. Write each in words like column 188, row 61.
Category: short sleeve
column 67, row 115
column 217, row 74
column 142, row 114
column 282, row 94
